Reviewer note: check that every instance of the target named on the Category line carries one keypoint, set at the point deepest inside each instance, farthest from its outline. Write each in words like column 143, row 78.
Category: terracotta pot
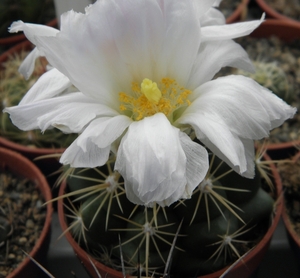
column 242, row 269
column 239, row 13
column 17, row 38
column 21, row 166
column 272, row 13
column 293, row 237
column 47, row 165
column 286, row 31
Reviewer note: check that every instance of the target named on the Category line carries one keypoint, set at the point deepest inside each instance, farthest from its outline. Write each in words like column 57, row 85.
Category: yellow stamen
column 149, row 99
column 150, row 90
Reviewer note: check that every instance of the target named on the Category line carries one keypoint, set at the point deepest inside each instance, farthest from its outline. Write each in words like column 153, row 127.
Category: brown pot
column 47, row 165
column 242, row 269
column 15, row 39
column 286, row 31
column 22, row 167
column 271, row 13
column 239, row 13
column 293, row 236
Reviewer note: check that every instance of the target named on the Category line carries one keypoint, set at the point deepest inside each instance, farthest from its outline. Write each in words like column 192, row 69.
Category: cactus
column 273, row 77
column 213, row 229
column 13, row 87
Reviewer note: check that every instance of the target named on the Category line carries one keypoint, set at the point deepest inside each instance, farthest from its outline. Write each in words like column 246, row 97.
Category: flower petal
column 120, row 50
column 225, row 119
column 69, row 113
column 104, row 131
column 229, row 31
column 204, row 6
column 180, row 47
column 215, row 55
column 246, row 108
column 216, row 135
column 32, row 31
column 152, row 162
column 77, row 157
column 27, row 66
column 196, row 165
column 212, row 17
column 49, row 85
column 95, row 68
column 92, row 147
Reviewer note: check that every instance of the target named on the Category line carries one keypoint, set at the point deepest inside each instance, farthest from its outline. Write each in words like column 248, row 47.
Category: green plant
column 226, row 216
column 13, row 86
column 143, row 92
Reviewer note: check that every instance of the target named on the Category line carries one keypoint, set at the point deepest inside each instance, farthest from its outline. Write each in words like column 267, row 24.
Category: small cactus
column 217, row 225
column 13, row 86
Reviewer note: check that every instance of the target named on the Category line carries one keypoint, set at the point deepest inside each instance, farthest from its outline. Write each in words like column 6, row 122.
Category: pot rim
column 273, row 13
column 238, row 12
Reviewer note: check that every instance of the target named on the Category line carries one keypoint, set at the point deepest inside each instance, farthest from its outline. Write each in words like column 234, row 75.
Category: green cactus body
column 200, row 238
column 143, row 223
column 96, row 228
column 148, row 237
column 235, row 183
column 216, row 228
column 207, row 206
column 258, row 208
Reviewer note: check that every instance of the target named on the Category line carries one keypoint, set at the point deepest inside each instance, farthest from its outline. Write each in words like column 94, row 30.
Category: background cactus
column 13, row 87
column 226, row 216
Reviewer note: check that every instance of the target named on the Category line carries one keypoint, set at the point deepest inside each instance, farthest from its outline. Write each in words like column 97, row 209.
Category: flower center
column 150, row 98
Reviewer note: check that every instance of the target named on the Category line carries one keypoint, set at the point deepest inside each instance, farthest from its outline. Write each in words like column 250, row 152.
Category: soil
column 290, row 8
column 22, row 217
column 290, row 175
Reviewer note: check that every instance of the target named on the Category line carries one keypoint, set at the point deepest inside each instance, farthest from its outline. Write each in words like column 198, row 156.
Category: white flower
column 143, row 70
